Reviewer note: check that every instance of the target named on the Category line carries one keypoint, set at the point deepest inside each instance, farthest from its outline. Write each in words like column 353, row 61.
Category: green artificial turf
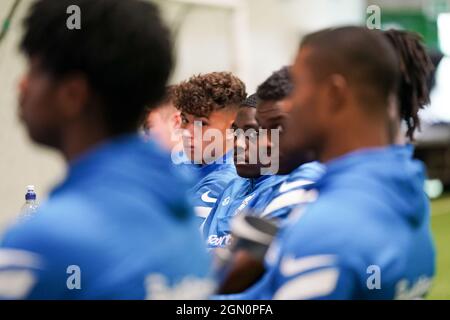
column 440, row 224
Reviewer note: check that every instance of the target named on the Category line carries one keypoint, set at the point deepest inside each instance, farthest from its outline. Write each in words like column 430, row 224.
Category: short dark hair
column 204, row 93
column 415, row 70
column 250, row 102
column 123, row 49
column 165, row 101
column 277, row 87
column 364, row 57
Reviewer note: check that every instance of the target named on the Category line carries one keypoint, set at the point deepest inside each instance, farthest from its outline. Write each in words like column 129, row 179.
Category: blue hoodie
column 289, row 193
column 119, row 226
column 213, row 178
column 367, row 236
column 237, row 197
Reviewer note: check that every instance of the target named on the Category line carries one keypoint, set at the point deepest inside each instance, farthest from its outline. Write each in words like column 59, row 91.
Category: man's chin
column 46, row 140
column 248, row 171
column 289, row 164
column 287, row 168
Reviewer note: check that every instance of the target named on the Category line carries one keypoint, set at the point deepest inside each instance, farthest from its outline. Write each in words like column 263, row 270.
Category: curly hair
column 277, row 87
column 416, row 67
column 204, row 93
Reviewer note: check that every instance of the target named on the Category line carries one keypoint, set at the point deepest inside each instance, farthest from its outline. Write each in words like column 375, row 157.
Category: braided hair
column 416, row 68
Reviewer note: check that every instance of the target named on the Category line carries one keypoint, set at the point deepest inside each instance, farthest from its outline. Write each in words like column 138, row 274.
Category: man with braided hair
column 413, row 92
column 367, row 235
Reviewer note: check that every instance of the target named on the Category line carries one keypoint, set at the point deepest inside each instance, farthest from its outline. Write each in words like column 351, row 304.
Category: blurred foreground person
column 413, row 92
column 208, row 105
column 367, row 235
column 119, row 225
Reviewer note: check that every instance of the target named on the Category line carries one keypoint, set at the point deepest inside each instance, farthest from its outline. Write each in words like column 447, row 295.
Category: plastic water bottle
column 31, row 205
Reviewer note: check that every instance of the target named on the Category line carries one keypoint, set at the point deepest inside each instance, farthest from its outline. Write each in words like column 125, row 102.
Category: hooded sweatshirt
column 118, row 227
column 367, row 235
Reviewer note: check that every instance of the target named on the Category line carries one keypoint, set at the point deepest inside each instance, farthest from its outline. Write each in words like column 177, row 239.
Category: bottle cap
column 30, row 195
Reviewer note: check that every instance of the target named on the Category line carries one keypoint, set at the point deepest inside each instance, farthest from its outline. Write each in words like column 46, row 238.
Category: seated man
column 208, row 105
column 414, row 90
column 119, row 226
column 268, row 195
column 272, row 113
column 240, row 193
column 367, row 235
column 279, row 194
column 162, row 123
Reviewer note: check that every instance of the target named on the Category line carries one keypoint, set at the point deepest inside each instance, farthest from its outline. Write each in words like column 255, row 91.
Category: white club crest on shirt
column 226, row 201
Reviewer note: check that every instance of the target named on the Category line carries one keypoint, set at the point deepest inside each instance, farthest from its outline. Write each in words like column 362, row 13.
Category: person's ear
column 337, row 92
column 229, row 132
column 286, row 104
column 232, row 118
column 23, row 84
column 72, row 96
column 176, row 119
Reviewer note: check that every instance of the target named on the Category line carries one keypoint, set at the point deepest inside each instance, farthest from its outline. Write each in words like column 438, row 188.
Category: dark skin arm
column 244, row 271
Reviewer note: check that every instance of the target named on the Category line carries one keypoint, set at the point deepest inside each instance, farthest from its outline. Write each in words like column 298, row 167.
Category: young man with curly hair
column 208, row 105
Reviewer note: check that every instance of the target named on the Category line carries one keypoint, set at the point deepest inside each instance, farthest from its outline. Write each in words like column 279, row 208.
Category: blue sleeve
column 312, row 277
column 280, row 205
column 311, row 263
column 50, row 251
column 312, row 171
column 28, row 269
column 294, row 191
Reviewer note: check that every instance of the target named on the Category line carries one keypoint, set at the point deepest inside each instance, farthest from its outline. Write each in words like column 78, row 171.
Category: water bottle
column 31, row 205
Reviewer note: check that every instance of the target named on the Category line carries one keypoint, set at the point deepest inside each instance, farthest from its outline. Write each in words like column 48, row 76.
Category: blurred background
column 251, row 38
